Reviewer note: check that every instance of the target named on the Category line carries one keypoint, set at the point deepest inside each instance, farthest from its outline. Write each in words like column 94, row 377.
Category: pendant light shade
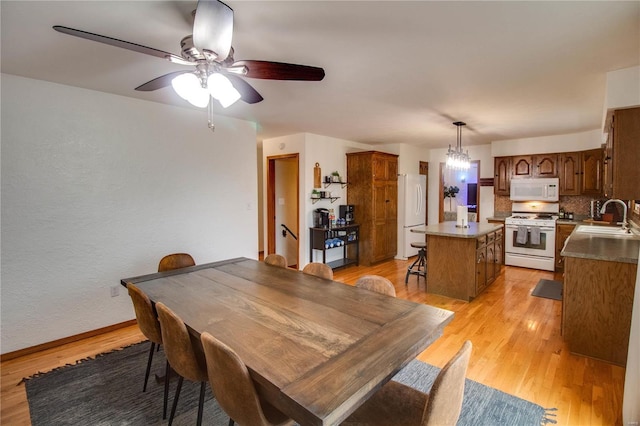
column 188, row 87
column 457, row 158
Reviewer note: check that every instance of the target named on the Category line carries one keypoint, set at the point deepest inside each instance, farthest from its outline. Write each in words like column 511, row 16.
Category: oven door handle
column 542, row 228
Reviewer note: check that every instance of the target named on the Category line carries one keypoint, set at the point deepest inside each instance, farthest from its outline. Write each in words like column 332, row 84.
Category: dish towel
column 535, row 236
column 521, row 236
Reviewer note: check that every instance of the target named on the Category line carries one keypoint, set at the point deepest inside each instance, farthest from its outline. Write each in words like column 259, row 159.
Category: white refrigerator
column 412, row 204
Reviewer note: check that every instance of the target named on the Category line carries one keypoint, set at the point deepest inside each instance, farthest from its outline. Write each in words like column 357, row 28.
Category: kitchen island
column 462, row 262
column 598, row 288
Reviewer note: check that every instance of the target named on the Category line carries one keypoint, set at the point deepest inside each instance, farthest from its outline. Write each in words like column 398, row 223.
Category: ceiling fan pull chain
column 210, row 123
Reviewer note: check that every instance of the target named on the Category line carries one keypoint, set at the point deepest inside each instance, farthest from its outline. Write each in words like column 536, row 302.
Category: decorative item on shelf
column 317, row 176
column 315, row 194
column 450, row 192
column 456, row 158
column 335, row 177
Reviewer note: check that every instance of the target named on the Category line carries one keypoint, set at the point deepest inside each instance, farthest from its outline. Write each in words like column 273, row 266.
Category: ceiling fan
column 217, row 74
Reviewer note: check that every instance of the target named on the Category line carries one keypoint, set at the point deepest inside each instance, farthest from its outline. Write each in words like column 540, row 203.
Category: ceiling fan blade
column 213, row 28
column 247, row 92
column 280, row 71
column 119, row 43
column 160, row 82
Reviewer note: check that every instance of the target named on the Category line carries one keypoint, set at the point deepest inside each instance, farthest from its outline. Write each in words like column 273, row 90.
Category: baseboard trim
column 65, row 340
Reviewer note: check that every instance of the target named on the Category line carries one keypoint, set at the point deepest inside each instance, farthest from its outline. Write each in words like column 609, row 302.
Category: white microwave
column 544, row 189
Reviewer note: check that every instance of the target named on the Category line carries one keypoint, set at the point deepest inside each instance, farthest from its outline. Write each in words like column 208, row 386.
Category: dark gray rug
column 107, row 390
column 549, row 289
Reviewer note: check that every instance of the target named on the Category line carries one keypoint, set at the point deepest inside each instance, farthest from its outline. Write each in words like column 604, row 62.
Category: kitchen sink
column 604, row 231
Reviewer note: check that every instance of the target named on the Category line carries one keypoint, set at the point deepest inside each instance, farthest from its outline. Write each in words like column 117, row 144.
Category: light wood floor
column 517, row 349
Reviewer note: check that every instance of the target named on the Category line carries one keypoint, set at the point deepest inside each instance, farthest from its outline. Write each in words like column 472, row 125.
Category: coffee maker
column 346, row 213
column 321, row 218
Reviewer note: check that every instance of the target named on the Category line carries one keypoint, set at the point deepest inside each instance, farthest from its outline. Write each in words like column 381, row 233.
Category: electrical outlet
column 115, row 291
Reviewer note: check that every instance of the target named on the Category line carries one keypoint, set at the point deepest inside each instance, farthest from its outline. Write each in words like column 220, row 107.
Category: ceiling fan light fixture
column 222, row 90
column 188, row 87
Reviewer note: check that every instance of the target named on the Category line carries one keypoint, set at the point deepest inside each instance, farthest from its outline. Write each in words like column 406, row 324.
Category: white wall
column 97, row 187
column 548, row 144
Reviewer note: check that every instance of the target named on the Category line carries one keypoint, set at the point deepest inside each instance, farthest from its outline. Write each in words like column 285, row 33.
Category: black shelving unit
column 349, row 234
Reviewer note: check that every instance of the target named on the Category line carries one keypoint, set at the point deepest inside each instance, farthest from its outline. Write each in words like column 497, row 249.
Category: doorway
column 462, row 189
column 424, row 170
column 283, row 206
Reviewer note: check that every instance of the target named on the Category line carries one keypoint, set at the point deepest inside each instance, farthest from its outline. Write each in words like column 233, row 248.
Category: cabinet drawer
column 481, row 241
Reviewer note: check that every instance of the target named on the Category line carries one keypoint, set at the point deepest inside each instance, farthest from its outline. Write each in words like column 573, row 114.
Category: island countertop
column 449, row 229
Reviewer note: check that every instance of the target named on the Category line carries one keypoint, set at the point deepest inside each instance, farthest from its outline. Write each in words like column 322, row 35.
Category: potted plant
column 315, row 193
column 450, row 192
column 335, row 177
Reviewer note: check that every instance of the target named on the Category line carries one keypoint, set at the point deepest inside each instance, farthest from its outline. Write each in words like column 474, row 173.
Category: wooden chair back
column 376, row 283
column 321, row 270
column 276, row 260
column 145, row 314
column 445, row 397
column 178, row 346
column 175, row 261
column 233, row 387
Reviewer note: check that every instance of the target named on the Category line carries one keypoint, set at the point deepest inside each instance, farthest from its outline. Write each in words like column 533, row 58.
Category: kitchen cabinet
column 534, row 166
column 373, row 190
column 562, row 233
column 591, row 172
column 462, row 263
column 569, row 173
column 622, row 155
column 522, row 166
column 348, row 234
column 597, row 302
column 502, row 176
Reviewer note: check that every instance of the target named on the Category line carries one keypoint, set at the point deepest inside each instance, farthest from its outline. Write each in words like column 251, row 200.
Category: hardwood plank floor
column 517, row 349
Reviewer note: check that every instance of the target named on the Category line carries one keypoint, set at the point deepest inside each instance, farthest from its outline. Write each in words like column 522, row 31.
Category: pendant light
column 456, row 158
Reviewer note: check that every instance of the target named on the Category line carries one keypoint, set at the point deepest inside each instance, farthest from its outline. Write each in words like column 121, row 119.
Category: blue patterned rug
column 107, row 390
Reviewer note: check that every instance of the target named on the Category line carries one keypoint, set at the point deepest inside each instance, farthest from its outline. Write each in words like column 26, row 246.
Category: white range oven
column 530, row 237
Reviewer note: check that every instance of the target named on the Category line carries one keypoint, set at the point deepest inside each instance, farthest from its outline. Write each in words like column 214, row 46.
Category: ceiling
column 396, row 72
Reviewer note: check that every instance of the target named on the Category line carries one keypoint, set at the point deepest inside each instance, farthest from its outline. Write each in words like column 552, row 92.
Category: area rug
column 107, row 390
column 549, row 289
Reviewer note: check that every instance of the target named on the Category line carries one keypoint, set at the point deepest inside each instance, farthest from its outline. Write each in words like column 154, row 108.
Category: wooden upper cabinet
column 522, row 166
column 569, row 173
column 545, row 166
column 502, row 176
column 591, row 172
column 625, row 156
column 385, row 168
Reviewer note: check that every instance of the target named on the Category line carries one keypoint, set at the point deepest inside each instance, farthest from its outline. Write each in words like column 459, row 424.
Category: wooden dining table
column 315, row 348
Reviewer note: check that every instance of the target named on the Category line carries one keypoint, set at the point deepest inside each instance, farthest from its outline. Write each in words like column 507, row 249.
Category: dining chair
column 175, row 261
column 276, row 260
column 234, row 388
column 182, row 356
column 150, row 327
column 398, row 404
column 321, row 270
column 376, row 283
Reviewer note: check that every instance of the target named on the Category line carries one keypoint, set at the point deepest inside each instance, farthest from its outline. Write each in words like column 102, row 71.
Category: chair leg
column 406, row 278
column 146, row 374
column 203, row 386
column 167, row 375
column 231, row 423
column 175, row 400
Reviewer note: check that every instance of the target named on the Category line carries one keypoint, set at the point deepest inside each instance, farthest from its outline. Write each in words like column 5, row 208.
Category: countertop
column 597, row 247
column 449, row 229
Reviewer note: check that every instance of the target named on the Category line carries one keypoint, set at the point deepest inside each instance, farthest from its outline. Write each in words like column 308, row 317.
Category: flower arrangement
column 451, row 191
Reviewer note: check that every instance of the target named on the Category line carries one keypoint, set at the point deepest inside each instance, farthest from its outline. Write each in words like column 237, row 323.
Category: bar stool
column 419, row 266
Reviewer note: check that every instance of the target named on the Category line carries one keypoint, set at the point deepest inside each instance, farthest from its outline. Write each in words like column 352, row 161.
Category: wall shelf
column 342, row 184
column 333, row 199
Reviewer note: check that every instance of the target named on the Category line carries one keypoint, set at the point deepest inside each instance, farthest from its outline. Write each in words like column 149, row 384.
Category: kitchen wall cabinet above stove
column 580, row 173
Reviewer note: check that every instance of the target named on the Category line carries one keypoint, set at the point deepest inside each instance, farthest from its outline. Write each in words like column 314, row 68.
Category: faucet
column 624, row 223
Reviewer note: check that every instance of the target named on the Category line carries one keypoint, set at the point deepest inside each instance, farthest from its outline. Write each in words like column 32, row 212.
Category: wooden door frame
column 424, row 170
column 441, row 191
column 271, row 202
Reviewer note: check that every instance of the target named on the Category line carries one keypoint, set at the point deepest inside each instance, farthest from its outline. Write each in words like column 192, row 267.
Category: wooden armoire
column 373, row 191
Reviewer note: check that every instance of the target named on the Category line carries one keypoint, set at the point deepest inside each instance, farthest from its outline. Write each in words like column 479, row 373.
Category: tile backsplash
column 578, row 204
